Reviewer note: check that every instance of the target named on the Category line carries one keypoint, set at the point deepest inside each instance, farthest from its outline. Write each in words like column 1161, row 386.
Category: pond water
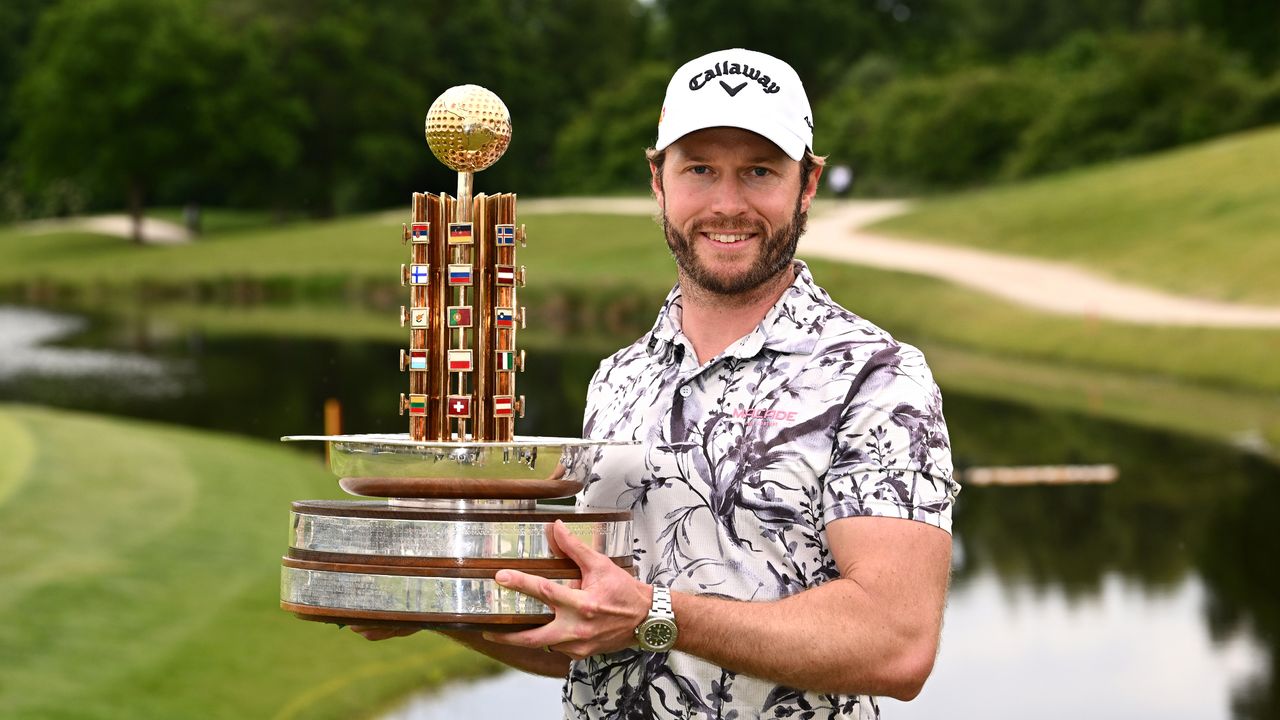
column 1148, row 597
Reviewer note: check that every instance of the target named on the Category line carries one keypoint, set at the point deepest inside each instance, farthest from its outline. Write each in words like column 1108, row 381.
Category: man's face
column 733, row 208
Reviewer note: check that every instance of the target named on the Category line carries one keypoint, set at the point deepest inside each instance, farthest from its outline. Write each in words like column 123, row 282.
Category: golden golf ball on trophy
column 468, row 128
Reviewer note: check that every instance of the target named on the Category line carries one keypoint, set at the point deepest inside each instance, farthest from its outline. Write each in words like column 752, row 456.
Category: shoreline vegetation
column 602, row 276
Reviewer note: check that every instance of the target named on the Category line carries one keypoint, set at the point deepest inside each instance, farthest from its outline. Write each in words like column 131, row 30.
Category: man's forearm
column 536, row 661
column 832, row 638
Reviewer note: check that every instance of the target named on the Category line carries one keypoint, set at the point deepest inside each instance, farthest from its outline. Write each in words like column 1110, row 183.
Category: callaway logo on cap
column 738, row 88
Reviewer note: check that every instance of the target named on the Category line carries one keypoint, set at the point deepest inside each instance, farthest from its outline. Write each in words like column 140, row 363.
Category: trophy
column 455, row 499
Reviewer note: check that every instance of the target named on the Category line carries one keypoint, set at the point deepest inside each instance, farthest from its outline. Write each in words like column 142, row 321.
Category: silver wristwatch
column 658, row 631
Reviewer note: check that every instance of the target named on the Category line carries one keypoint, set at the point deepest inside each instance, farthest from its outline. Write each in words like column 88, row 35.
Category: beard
column 777, row 252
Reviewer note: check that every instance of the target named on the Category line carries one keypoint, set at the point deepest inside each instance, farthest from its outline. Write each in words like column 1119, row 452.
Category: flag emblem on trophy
column 459, row 361
column 502, row 405
column 417, row 405
column 419, row 317
column 504, row 317
column 421, row 232
column 460, row 274
column 460, row 233
column 459, row 406
column 459, row 316
column 504, row 274
column 418, row 359
column 506, row 360
column 504, row 235
column 419, row 274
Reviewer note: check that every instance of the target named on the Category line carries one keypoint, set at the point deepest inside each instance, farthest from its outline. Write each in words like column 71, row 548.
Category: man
column 792, row 485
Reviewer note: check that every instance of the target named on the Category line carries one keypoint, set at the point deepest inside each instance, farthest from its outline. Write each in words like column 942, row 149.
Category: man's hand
column 598, row 614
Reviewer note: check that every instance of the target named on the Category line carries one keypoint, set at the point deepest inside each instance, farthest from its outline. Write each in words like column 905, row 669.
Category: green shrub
column 1136, row 94
column 1091, row 99
column 1266, row 109
column 955, row 130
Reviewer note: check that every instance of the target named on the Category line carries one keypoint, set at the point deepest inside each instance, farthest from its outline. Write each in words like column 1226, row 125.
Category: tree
column 820, row 39
column 602, row 148
column 127, row 96
column 363, row 75
column 17, row 23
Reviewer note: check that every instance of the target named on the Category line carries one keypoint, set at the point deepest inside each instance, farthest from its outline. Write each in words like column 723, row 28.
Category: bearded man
column 791, row 485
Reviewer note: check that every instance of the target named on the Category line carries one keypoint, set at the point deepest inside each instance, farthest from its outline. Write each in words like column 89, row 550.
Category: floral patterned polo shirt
column 814, row 416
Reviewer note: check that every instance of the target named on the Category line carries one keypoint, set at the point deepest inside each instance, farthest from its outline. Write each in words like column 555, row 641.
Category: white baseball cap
column 738, row 88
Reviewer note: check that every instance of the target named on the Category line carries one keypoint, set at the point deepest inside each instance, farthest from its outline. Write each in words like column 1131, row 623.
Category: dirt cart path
column 836, row 233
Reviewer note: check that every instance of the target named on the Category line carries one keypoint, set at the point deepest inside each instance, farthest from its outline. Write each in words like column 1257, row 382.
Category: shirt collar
column 792, row 325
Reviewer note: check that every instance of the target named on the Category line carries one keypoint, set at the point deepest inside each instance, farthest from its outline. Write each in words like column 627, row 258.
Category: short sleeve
column 892, row 455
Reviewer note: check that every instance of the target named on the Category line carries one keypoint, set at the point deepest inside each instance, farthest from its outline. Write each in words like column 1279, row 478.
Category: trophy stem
column 462, row 210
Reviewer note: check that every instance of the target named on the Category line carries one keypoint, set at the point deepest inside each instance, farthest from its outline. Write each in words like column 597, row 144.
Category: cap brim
column 786, row 141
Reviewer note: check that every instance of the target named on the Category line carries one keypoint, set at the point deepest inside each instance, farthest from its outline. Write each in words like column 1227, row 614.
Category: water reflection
column 1008, row 651
column 1149, row 597
column 25, row 338
column 1123, row 651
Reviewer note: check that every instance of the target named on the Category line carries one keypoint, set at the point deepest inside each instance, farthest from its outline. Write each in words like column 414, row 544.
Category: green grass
column 1241, row 418
column 1202, row 220
column 216, row 221
column 141, row 576
column 365, row 246
column 925, row 310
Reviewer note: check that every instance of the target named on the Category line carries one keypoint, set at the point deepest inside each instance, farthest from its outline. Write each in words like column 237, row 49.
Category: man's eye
column 700, row 170
column 759, row 172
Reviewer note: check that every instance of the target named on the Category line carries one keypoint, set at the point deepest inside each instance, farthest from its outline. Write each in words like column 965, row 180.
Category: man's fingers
column 544, row 589
column 575, row 549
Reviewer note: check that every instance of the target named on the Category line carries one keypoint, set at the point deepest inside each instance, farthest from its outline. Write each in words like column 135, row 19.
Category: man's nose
column 729, row 198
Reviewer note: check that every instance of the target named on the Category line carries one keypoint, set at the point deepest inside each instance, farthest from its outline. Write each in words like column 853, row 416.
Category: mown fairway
column 1201, row 220
column 139, row 579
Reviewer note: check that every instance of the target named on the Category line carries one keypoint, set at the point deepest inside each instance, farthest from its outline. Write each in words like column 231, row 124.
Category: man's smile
column 727, row 238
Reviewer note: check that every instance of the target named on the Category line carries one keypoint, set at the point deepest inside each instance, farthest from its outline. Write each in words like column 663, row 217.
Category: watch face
column 660, row 634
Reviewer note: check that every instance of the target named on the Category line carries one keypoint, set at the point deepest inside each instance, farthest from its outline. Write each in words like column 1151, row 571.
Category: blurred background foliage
column 315, row 107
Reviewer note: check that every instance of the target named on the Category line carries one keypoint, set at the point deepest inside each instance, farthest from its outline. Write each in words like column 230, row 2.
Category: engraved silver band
column 396, row 537
column 404, row 593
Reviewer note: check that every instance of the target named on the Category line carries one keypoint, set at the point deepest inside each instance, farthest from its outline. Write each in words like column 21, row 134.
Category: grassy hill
column 141, row 579
column 1201, row 220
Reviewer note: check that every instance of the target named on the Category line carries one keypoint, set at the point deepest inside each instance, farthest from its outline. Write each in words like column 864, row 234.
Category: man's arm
column 872, row 631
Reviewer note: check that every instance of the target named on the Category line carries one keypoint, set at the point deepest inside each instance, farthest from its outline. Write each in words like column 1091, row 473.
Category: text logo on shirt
column 769, row 417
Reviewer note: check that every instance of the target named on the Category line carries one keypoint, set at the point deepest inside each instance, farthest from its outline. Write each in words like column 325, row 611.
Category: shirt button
column 685, row 391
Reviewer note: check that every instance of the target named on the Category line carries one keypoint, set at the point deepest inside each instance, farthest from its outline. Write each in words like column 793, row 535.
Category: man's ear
column 811, row 189
column 655, row 184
